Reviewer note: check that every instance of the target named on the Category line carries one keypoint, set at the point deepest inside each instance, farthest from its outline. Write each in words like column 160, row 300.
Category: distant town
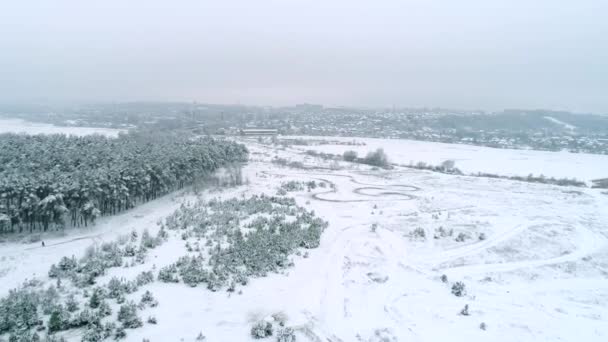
column 516, row 129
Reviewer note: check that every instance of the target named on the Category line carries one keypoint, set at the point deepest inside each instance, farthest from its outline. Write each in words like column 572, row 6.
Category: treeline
column 50, row 180
column 538, row 179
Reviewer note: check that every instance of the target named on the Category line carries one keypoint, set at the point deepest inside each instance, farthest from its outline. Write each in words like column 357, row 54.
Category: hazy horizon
column 467, row 55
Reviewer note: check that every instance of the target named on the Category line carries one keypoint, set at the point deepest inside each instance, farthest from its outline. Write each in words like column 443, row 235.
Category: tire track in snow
column 589, row 243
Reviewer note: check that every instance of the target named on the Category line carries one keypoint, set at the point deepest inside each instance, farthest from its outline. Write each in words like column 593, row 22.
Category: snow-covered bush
column 127, row 315
column 377, row 158
column 97, row 296
column 465, row 310
column 459, row 289
column 147, row 299
column 442, row 232
column 286, row 335
column 168, row 274
column 71, row 303
column 292, row 186
column 58, row 320
column 261, row 329
column 418, row 233
column 144, row 278
column 349, row 156
column 462, row 237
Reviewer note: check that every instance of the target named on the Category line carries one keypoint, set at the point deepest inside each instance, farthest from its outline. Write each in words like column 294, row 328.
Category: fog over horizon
column 470, row 54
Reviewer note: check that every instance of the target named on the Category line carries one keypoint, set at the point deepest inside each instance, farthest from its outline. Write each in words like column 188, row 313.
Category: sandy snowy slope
column 533, row 257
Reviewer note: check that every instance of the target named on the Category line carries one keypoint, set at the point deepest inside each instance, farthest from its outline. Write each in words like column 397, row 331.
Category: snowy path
column 21, row 261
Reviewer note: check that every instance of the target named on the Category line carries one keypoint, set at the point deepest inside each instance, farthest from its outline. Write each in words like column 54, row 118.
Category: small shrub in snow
column 442, row 232
column 152, row 320
column 377, row 158
column 71, row 303
column 280, row 318
column 134, row 235
column 104, row 309
column 167, row 274
column 483, row 326
column 52, row 338
column 127, row 315
column 459, row 289
column 292, row 186
column 200, row 336
column 482, row 236
column 94, row 333
column 84, row 318
column 140, row 255
column 130, row 250
column 147, row 299
column 465, row 310
column 444, row 278
column 117, row 287
column 121, row 299
column 418, row 233
column 349, row 156
column 461, row 237
column 232, row 286
column 49, row 301
column 59, row 320
column 286, row 335
column 148, row 241
column 120, row 333
column 96, row 298
column 261, row 329
column 144, row 278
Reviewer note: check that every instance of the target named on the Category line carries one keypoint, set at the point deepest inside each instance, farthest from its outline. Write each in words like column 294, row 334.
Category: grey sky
column 461, row 54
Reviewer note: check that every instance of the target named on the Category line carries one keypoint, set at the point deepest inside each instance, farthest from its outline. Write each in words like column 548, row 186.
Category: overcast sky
column 486, row 54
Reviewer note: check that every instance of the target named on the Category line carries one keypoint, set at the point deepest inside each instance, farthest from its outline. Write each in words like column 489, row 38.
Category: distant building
column 600, row 183
column 259, row 131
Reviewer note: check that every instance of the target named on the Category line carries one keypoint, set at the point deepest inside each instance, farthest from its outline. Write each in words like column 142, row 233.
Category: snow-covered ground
column 22, row 126
column 534, row 257
column 472, row 159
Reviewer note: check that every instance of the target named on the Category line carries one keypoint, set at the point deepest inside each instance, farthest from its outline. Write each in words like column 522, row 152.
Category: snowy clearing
column 533, row 257
column 22, row 126
column 473, row 159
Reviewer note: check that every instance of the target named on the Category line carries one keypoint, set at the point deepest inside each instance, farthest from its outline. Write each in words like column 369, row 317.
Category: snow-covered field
column 472, row 159
column 22, row 126
column 533, row 257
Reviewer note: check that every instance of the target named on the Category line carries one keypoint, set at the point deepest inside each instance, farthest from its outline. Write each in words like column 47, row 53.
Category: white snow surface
column 473, row 159
column 541, row 273
column 22, row 126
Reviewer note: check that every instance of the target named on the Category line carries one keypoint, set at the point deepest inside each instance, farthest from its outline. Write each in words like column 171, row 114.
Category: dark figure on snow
column 42, row 243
